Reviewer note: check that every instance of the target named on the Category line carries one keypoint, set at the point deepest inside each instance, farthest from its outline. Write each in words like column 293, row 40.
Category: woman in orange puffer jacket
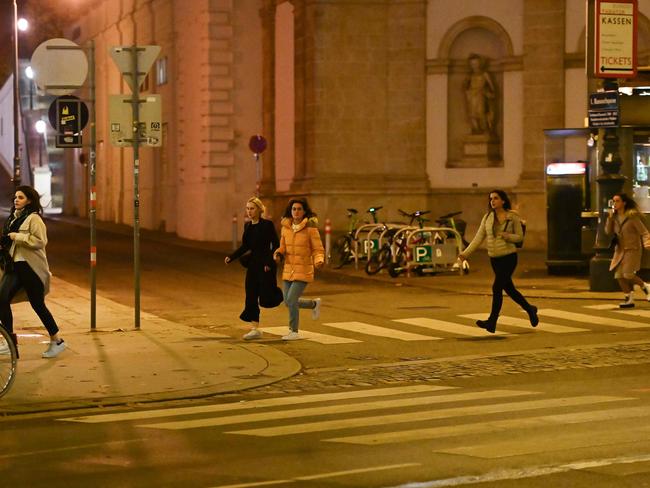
column 302, row 249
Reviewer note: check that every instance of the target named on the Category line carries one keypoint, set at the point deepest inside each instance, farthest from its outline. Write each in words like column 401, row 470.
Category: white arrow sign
column 122, row 55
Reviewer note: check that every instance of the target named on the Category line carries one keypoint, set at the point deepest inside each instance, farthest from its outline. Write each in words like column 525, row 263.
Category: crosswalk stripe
column 590, row 319
column 599, row 435
column 602, row 306
column 262, row 403
column 374, row 330
column 493, row 426
column 449, row 327
column 311, row 336
column 525, row 323
column 336, row 409
column 635, row 313
column 321, row 426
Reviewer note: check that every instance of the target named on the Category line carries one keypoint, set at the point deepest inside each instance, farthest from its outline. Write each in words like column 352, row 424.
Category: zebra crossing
column 552, row 321
column 452, row 419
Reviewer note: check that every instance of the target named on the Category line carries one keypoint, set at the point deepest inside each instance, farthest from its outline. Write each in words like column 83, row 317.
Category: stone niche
column 475, row 100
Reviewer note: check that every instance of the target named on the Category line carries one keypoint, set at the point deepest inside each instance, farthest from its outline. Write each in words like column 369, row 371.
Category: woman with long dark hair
column 258, row 243
column 24, row 237
column 302, row 249
column 501, row 226
column 626, row 223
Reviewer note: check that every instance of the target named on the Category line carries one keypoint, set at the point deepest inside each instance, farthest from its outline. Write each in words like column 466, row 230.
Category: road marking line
column 345, row 408
column 374, row 330
column 319, row 476
column 525, row 323
column 454, row 412
column 310, row 336
column 266, row 402
column 40, row 452
column 494, row 426
column 449, row 327
column 526, row 472
column 598, row 435
column 591, row 319
column 636, row 313
column 602, row 306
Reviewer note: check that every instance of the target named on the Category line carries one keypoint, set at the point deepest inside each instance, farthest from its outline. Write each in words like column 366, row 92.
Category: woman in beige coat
column 626, row 223
column 24, row 238
column 302, row 249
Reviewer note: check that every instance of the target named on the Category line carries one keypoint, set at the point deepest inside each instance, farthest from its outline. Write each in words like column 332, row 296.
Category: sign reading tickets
column 615, row 38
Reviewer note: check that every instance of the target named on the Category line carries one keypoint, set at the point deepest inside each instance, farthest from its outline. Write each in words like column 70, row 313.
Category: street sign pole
column 92, row 208
column 135, row 106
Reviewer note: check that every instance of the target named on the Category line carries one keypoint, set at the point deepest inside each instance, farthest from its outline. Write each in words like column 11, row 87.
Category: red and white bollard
column 328, row 239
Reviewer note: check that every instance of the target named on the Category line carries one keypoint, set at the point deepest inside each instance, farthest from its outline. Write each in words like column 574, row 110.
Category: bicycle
column 8, row 361
column 460, row 226
column 342, row 251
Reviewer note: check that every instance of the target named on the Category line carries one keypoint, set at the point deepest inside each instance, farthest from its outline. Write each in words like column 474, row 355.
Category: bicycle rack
column 445, row 231
column 368, row 229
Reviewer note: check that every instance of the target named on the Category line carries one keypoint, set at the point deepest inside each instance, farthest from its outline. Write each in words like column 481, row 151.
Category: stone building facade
column 363, row 102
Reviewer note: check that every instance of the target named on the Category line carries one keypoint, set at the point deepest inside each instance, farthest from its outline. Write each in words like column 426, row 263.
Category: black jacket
column 259, row 240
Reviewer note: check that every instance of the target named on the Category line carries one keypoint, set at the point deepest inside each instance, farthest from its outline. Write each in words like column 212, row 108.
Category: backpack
column 520, row 244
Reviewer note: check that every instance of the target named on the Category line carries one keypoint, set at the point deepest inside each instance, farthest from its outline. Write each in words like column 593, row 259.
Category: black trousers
column 253, row 285
column 23, row 277
column 503, row 267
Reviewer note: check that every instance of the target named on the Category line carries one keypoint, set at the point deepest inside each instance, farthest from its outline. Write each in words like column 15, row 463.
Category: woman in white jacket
column 24, row 238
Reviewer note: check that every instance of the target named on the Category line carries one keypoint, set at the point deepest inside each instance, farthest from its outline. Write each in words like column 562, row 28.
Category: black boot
column 490, row 325
column 532, row 315
column 14, row 339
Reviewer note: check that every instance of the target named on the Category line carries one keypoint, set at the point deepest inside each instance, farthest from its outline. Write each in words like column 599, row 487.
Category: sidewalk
column 116, row 365
column 531, row 278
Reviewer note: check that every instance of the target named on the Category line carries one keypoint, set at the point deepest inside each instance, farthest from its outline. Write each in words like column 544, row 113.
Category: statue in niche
column 481, row 95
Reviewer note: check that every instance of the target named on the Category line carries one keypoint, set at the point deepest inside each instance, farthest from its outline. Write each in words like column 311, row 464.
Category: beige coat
column 29, row 246
column 301, row 248
column 631, row 235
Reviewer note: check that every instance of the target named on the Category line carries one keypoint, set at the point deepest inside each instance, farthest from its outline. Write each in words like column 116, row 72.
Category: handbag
column 270, row 293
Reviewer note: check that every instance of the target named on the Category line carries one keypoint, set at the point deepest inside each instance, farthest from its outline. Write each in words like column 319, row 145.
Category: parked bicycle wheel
column 8, row 361
column 379, row 260
column 395, row 269
column 341, row 252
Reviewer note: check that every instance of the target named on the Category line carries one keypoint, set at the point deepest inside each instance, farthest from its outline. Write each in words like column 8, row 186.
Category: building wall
column 376, row 104
column 204, row 172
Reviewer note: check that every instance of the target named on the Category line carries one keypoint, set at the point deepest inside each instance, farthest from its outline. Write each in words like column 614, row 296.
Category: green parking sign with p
column 370, row 246
column 423, row 254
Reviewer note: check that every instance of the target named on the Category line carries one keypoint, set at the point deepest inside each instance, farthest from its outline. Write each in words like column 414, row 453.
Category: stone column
column 360, row 86
column 267, row 13
column 544, row 28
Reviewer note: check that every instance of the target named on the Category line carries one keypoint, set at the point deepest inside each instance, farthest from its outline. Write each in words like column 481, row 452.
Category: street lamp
column 22, row 25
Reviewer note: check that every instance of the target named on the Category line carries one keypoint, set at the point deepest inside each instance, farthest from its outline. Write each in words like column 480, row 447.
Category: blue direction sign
column 603, row 109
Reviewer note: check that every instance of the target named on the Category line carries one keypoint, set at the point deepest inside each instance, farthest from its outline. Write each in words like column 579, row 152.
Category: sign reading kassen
column 615, row 36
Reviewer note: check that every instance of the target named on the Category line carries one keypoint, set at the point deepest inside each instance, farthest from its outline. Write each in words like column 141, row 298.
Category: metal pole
column 135, row 104
column 92, row 207
column 16, row 175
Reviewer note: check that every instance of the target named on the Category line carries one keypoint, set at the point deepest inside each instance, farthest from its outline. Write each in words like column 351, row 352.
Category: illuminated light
column 566, row 169
column 29, row 72
column 22, row 24
column 40, row 126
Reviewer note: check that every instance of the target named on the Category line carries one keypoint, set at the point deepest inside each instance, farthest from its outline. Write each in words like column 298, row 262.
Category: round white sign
column 59, row 63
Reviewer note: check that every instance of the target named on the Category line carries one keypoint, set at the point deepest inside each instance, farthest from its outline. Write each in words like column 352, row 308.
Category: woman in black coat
column 259, row 242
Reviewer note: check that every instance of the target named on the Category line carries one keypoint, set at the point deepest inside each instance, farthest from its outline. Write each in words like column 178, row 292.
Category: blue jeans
column 292, row 292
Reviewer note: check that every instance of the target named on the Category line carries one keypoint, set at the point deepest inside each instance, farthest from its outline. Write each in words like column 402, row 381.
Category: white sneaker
column 253, row 334
column 315, row 312
column 628, row 303
column 292, row 336
column 54, row 349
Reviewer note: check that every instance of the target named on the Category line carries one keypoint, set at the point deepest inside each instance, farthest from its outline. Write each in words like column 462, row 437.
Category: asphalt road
column 398, row 389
